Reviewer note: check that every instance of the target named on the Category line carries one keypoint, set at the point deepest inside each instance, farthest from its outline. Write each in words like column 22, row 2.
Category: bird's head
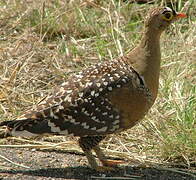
column 160, row 18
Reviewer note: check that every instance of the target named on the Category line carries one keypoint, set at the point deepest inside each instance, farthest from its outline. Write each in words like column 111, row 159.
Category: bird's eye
column 168, row 16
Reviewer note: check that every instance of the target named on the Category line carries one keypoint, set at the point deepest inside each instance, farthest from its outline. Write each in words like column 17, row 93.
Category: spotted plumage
column 105, row 98
column 80, row 106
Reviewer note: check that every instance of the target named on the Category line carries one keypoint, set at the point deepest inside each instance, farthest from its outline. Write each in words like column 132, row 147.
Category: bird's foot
column 112, row 163
column 104, row 169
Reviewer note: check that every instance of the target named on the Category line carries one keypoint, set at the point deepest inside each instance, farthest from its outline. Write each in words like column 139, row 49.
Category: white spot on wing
column 103, row 129
column 117, row 75
column 114, row 128
column 64, row 132
column 92, row 93
column 96, row 94
column 111, row 79
column 85, row 126
column 111, row 116
column 53, row 115
column 94, row 117
column 110, row 88
column 24, row 133
column 86, row 112
column 86, row 100
column 73, row 121
column 88, row 84
column 81, row 94
column 116, row 122
column 100, row 89
column 124, row 80
column 53, row 127
column 105, row 83
column 105, row 113
column 117, row 117
column 108, row 108
column 98, row 84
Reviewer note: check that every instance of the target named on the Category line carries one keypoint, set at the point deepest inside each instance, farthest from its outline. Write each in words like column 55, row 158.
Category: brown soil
column 59, row 165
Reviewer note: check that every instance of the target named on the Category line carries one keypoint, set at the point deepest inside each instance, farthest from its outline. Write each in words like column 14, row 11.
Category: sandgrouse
column 106, row 98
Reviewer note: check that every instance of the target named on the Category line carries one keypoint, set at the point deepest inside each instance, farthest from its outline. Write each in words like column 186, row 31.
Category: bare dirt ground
column 60, row 165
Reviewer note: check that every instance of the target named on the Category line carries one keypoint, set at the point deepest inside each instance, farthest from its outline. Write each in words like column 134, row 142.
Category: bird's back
column 99, row 100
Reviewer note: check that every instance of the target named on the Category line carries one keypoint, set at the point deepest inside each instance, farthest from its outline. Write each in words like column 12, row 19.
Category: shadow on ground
column 45, row 165
column 86, row 173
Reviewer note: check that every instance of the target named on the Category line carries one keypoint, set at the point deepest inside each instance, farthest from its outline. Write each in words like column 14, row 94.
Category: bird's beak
column 180, row 15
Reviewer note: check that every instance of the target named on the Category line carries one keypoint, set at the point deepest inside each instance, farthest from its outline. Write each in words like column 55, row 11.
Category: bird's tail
column 28, row 127
column 4, row 134
column 4, row 123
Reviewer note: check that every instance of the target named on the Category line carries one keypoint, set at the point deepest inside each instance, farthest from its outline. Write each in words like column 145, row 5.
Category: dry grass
column 42, row 42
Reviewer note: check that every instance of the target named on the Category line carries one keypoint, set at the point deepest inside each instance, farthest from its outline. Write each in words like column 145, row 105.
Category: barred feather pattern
column 80, row 106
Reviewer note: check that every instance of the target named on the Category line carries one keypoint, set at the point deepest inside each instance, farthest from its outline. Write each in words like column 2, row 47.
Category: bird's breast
column 132, row 104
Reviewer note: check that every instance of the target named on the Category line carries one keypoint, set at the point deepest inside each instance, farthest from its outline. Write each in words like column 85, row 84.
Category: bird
column 106, row 98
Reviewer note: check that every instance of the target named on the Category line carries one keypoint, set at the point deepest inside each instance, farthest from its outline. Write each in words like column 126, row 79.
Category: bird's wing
column 80, row 106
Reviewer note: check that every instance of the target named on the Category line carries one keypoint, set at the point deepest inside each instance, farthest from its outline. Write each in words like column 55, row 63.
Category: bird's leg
column 104, row 160
column 87, row 144
column 91, row 159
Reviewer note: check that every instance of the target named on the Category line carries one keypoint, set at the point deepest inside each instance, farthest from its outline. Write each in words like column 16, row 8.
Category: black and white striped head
column 160, row 18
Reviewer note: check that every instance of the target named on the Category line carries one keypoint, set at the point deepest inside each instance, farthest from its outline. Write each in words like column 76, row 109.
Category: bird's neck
column 146, row 59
